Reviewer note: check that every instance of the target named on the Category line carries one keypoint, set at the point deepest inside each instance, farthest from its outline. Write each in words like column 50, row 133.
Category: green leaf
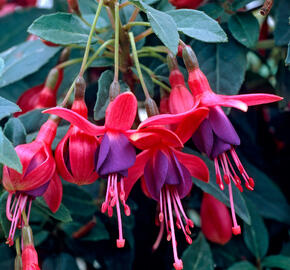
column 237, row 4
column 78, row 201
column 7, row 256
column 15, row 131
column 245, row 28
column 282, row 29
column 222, row 195
column 103, row 99
column 5, row 223
column 24, row 59
column 162, row 25
column 40, row 237
column 7, row 108
column 277, row 261
column 62, row 214
column 97, row 233
column 287, row 60
column 63, row 261
column 242, row 266
column 256, row 235
column 267, row 195
column 198, row 25
column 1, row 66
column 198, row 255
column 224, row 65
column 16, row 24
column 8, row 156
column 61, row 28
column 212, row 9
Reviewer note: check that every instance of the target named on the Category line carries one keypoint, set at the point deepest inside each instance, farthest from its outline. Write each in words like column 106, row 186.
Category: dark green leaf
column 223, row 196
column 1, row 66
column 40, row 237
column 16, row 24
column 15, row 131
column 242, row 266
column 287, row 60
column 5, row 223
column 224, row 65
column 237, row 4
column 7, row 107
column 62, row 261
column 267, row 195
column 198, row 255
column 8, row 156
column 277, row 261
column 245, row 28
column 7, row 256
column 62, row 214
column 61, row 28
column 256, row 235
column 198, row 25
column 24, row 59
column 102, row 62
column 212, row 9
column 103, row 99
column 78, row 201
column 149, row 83
column 282, row 28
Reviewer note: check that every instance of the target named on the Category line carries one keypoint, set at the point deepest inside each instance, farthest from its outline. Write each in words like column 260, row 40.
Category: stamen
column 8, row 203
column 236, row 229
column 218, row 174
column 159, row 237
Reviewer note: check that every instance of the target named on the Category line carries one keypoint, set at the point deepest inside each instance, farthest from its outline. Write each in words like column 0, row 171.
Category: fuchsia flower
column 192, row 4
column 39, row 177
column 167, row 176
column 116, row 154
column 216, row 223
column 76, row 153
column 43, row 95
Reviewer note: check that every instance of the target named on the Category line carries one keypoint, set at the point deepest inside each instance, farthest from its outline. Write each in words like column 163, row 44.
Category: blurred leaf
column 62, row 214
column 256, row 235
column 63, row 261
column 282, row 29
column 198, row 255
column 222, row 195
column 5, row 223
column 7, row 256
column 78, row 201
column 1, row 66
column 88, row 10
column 102, row 62
column 245, row 28
column 7, row 107
column 103, row 99
column 198, row 25
column 24, row 59
column 267, row 196
column 242, row 266
column 61, row 28
column 277, row 261
column 224, row 65
column 162, row 25
column 287, row 60
column 212, row 9
column 237, row 4
column 148, row 82
column 40, row 237
column 8, row 156
column 16, row 24
column 15, row 131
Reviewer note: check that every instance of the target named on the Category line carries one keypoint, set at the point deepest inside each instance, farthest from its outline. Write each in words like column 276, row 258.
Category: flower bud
column 27, row 236
column 64, row 56
column 80, row 88
column 74, row 6
column 189, row 58
column 114, row 90
column 172, row 62
column 216, row 221
column 192, row 4
column 30, row 258
column 151, row 107
column 18, row 262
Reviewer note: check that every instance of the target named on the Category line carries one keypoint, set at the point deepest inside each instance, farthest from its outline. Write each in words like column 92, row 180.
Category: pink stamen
column 159, row 237
column 218, row 174
column 236, row 229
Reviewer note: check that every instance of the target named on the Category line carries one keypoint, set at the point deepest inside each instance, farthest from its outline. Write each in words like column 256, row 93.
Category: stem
column 84, row 21
column 265, row 44
column 144, row 34
column 131, row 24
column 90, row 37
column 134, row 14
column 152, row 54
column 137, row 64
column 125, row 4
column 17, row 246
column 116, row 58
column 161, row 84
column 24, row 217
column 67, row 96
column 69, row 63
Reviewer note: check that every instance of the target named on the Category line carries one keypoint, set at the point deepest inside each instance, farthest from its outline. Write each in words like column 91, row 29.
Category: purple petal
column 203, row 137
column 222, row 126
column 160, row 167
column 116, row 155
column 219, row 147
column 186, row 185
column 38, row 191
column 153, row 186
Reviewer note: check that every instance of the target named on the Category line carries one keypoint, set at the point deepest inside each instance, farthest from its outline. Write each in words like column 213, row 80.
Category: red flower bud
column 216, row 221
column 48, row 43
column 30, row 258
column 186, row 3
column 76, row 153
column 74, row 6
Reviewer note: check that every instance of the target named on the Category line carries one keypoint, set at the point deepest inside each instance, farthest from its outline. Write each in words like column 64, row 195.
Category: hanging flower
column 76, row 153
column 192, row 4
column 116, row 154
column 216, row 221
column 38, row 177
column 166, row 174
